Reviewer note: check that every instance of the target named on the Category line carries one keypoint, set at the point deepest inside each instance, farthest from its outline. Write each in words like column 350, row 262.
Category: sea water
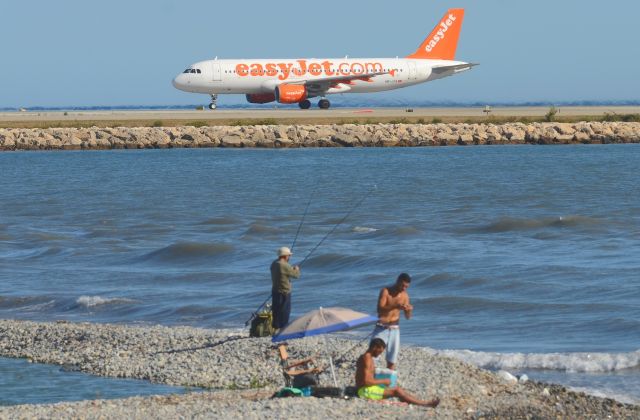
column 523, row 258
column 22, row 382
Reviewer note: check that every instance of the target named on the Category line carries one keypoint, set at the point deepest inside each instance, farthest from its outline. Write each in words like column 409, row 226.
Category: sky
column 126, row 52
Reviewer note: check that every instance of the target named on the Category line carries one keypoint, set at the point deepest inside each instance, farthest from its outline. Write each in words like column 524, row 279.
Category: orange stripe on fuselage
column 301, row 68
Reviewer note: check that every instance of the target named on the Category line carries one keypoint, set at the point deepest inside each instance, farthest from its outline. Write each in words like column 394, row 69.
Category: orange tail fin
column 442, row 41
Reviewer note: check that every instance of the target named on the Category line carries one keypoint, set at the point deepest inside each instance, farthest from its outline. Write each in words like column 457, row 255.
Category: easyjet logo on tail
column 443, row 40
column 443, row 28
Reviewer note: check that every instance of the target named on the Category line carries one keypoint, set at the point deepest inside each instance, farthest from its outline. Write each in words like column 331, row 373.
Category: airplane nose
column 178, row 82
column 175, row 82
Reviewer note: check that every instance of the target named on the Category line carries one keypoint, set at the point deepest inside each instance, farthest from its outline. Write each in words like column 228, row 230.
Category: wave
column 567, row 362
column 32, row 253
column 48, row 236
column 510, row 224
column 222, row 220
column 363, row 229
column 257, row 229
column 447, row 280
column 333, row 261
column 472, row 304
column 93, row 301
column 387, row 232
column 188, row 252
column 27, row 303
column 406, row 231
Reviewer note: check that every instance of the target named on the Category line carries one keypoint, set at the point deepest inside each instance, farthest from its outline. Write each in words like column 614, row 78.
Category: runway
column 294, row 114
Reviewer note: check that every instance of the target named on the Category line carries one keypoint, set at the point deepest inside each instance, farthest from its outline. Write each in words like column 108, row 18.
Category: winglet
column 442, row 41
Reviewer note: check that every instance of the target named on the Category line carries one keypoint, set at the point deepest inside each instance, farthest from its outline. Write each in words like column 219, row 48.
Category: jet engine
column 290, row 94
column 261, row 98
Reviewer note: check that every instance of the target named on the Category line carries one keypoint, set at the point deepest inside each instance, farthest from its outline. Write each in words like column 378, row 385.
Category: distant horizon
column 392, row 103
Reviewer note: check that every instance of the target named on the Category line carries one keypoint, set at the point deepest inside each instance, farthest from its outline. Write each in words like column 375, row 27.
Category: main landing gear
column 214, row 102
column 324, row 103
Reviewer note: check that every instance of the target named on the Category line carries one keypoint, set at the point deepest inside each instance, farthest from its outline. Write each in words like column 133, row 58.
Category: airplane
column 290, row 81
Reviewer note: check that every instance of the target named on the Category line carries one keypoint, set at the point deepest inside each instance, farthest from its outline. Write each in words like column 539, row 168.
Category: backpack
column 261, row 324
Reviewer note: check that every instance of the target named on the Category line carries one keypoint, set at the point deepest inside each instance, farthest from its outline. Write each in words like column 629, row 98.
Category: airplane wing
column 318, row 86
column 454, row 67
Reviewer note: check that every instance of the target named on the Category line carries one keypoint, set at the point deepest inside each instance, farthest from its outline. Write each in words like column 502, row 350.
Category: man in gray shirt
column 281, row 271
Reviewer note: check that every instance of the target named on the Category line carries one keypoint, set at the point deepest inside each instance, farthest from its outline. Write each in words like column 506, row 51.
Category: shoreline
column 240, row 374
column 315, row 136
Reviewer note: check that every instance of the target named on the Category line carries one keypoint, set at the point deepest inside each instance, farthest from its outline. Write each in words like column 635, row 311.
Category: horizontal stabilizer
column 454, row 67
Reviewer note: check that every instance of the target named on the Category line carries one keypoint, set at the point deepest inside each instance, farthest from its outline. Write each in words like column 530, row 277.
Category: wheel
column 305, row 104
column 324, row 104
column 212, row 106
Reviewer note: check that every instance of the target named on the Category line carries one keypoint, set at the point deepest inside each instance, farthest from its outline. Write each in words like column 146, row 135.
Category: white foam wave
column 93, row 301
column 38, row 307
column 364, row 229
column 568, row 362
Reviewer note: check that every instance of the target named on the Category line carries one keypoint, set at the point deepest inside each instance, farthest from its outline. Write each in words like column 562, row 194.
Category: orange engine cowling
column 291, row 94
column 261, row 98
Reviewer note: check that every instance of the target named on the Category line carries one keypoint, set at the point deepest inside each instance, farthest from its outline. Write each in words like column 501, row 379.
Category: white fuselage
column 251, row 76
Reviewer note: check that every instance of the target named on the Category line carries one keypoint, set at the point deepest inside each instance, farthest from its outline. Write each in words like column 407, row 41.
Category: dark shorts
column 281, row 307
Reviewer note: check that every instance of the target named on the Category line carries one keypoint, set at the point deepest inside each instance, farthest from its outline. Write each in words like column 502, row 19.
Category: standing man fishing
column 281, row 271
column 391, row 301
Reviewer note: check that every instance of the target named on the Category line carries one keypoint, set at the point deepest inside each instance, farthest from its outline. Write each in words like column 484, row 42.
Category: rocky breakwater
column 241, row 373
column 336, row 135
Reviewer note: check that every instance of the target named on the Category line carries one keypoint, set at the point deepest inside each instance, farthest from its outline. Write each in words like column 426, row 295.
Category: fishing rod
column 254, row 313
column 304, row 215
column 339, row 223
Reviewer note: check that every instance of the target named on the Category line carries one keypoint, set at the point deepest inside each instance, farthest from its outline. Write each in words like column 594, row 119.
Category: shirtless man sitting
column 378, row 389
column 391, row 301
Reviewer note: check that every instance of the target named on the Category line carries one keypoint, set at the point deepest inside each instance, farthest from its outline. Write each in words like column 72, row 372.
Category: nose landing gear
column 214, row 102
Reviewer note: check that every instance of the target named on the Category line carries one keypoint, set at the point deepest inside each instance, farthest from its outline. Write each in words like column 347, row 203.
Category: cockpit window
column 190, row 70
column 198, row 71
column 187, row 71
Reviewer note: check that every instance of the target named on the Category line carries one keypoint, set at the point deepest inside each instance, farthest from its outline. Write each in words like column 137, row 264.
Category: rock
column 284, row 143
column 581, row 137
column 346, row 140
column 465, row 139
column 507, row 377
column 309, row 135
column 231, row 141
column 564, row 128
column 7, row 143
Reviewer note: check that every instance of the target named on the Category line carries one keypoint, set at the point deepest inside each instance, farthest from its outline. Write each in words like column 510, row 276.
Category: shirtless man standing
column 391, row 301
column 377, row 389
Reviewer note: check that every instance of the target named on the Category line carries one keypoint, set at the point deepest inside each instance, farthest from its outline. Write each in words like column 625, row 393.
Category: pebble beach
column 234, row 376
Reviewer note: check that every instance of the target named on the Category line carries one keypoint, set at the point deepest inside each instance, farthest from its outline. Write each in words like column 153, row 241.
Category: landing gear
column 305, row 104
column 214, row 102
column 324, row 103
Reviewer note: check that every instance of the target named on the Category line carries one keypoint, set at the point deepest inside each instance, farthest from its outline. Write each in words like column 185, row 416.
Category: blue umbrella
column 323, row 321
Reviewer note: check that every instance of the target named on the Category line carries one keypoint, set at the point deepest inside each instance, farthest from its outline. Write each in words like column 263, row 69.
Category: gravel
column 239, row 374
